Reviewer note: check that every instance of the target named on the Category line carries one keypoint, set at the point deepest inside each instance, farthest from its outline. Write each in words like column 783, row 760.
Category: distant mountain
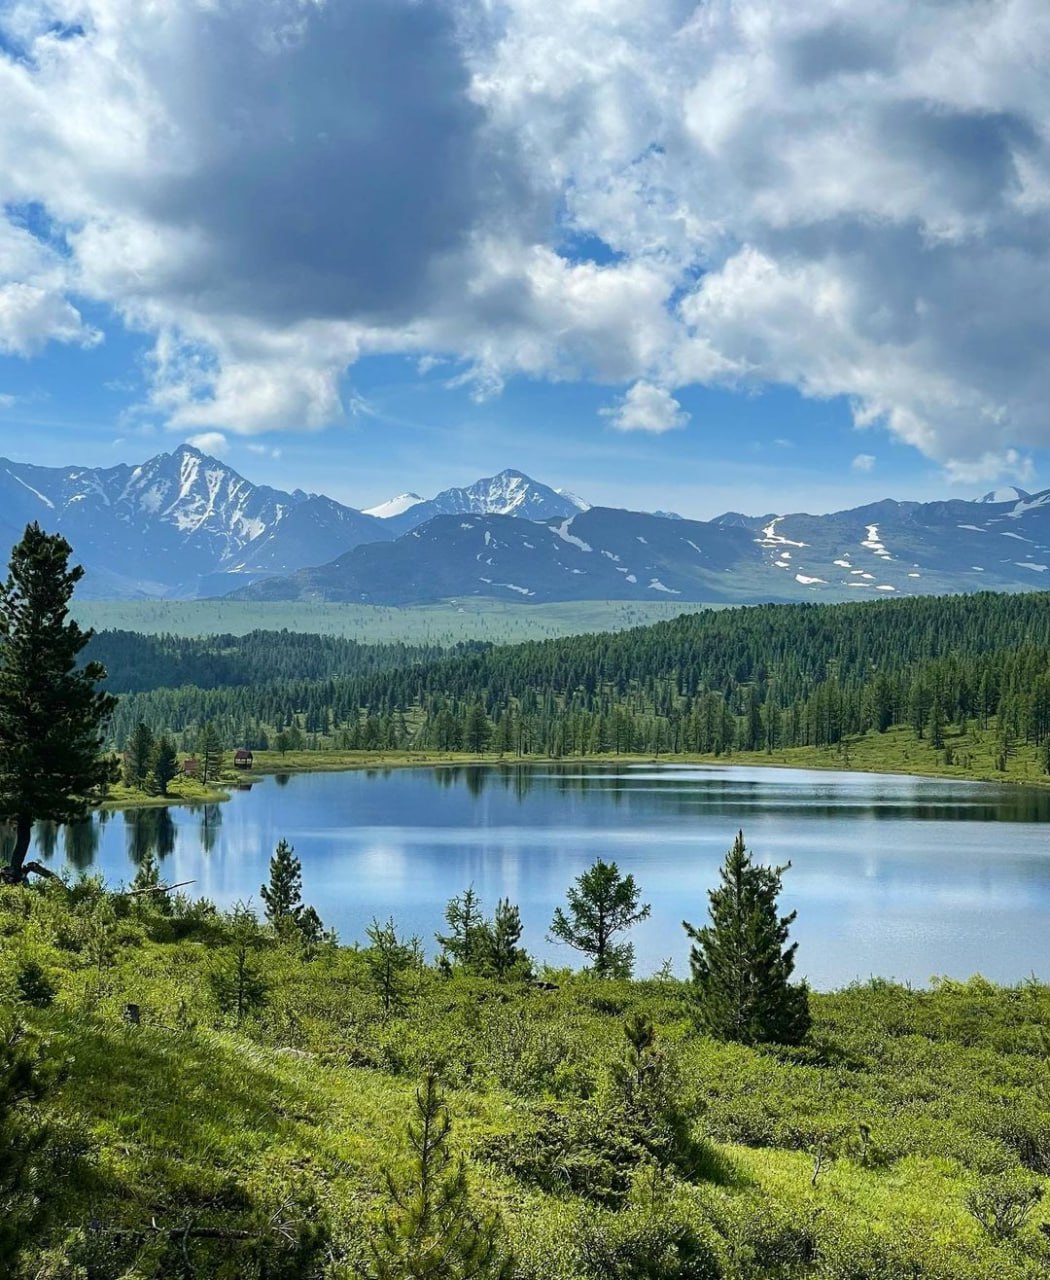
column 180, row 525
column 185, row 525
column 890, row 548
column 511, row 493
column 395, row 507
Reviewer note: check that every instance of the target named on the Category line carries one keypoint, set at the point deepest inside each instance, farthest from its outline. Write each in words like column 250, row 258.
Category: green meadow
column 909, row 1137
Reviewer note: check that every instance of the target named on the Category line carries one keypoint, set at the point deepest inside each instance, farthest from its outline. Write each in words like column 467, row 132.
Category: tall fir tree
column 209, row 750
column 467, row 940
column 741, row 963
column 138, row 757
column 284, row 894
column 505, row 958
column 602, row 904
column 52, row 713
column 431, row 1231
column 165, row 766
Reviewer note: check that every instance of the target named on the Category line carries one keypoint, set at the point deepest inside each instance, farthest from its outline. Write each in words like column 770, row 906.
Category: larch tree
column 430, row 1230
column 52, row 712
column 742, row 963
column 602, row 904
column 284, row 894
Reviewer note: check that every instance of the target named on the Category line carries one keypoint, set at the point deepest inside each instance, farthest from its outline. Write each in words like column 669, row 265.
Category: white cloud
column 7, row 401
column 211, row 442
column 646, row 407
column 849, row 200
column 991, row 467
column 863, row 462
column 30, row 318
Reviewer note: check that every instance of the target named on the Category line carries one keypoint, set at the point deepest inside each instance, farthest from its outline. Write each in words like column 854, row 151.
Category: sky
column 732, row 255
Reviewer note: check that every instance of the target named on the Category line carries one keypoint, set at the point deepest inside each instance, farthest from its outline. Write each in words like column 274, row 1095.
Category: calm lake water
column 899, row 877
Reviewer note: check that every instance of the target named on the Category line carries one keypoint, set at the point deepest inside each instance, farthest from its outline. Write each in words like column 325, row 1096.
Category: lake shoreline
column 270, row 763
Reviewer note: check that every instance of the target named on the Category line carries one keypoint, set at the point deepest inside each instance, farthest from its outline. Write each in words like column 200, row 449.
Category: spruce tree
column 284, row 894
column 238, row 986
column 209, row 749
column 52, row 713
column 430, row 1231
column 390, row 961
column 467, row 939
column 602, row 904
column 165, row 766
column 138, row 758
column 505, row 958
column 740, row 962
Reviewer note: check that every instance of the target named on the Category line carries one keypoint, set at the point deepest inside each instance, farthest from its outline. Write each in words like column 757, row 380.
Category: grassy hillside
column 191, row 1146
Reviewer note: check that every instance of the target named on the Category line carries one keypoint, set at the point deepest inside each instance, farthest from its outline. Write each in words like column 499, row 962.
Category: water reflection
column 149, row 832
column 895, row 876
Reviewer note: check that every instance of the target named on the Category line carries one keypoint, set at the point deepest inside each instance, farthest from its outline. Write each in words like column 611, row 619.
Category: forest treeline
column 756, row 678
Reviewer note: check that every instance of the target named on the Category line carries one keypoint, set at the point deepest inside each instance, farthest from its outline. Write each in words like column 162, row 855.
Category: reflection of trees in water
column 80, row 843
column 45, row 839
column 282, row 779
column 211, row 822
column 148, row 831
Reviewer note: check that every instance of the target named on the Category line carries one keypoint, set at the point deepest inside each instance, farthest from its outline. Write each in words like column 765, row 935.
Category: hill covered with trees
column 762, row 678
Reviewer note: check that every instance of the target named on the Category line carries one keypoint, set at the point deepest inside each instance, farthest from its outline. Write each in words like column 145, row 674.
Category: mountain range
column 184, row 525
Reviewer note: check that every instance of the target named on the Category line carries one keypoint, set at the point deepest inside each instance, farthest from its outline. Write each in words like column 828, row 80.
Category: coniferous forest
column 753, row 679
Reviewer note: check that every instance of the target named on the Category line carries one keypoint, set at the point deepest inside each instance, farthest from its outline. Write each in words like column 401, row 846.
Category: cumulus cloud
column 211, row 442
column 863, row 462
column 646, row 407
column 849, row 200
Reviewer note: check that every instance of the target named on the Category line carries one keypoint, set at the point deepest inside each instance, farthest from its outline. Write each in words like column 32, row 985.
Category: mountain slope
column 179, row 524
column 511, row 493
column 885, row 548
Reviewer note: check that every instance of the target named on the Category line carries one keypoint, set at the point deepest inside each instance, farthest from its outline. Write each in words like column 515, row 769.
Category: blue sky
column 746, row 256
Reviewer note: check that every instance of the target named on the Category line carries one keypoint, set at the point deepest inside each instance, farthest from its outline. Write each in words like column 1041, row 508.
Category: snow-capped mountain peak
column 1010, row 493
column 510, row 493
column 394, row 506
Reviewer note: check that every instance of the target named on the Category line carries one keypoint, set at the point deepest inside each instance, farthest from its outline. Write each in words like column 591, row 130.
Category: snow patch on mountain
column 394, row 506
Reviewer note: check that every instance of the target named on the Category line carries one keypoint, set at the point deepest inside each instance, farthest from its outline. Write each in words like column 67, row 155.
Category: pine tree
column 139, row 757
column 165, row 766
column 467, row 940
column 430, row 1231
column 209, row 749
column 740, row 963
column 284, row 894
column 51, row 712
column 238, row 986
column 601, row 905
column 477, row 732
column 505, row 958
column 390, row 960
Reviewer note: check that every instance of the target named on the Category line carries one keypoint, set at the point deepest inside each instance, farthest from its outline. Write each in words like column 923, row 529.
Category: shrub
column 1003, row 1203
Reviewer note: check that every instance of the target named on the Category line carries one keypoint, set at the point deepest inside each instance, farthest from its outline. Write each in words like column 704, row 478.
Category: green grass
column 191, row 1121
column 441, row 624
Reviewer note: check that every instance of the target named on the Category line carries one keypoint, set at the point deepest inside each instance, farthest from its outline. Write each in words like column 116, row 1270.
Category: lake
column 892, row 876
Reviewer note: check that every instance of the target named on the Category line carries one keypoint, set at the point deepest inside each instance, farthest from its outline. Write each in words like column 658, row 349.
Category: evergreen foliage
column 505, row 958
column 431, row 1231
column 52, row 713
column 209, row 750
column 284, row 893
column 467, row 942
column 602, row 904
column 165, row 766
column 741, row 963
column 237, row 982
column 138, row 758
column 391, row 962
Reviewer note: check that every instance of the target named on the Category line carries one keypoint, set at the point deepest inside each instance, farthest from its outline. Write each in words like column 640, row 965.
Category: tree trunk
column 15, row 872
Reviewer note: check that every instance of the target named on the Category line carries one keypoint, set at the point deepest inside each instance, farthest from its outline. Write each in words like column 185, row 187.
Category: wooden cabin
column 243, row 758
column 191, row 767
